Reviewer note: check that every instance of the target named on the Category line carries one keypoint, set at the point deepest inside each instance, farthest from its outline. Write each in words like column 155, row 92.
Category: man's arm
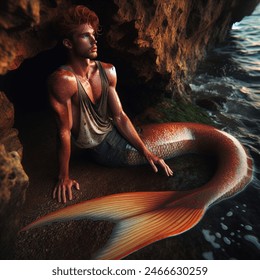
column 126, row 127
column 62, row 86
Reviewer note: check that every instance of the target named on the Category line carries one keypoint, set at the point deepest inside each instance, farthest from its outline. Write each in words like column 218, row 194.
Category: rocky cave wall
column 13, row 179
column 171, row 37
column 159, row 39
column 157, row 45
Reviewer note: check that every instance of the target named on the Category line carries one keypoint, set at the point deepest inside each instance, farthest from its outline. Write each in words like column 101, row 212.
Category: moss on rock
column 169, row 110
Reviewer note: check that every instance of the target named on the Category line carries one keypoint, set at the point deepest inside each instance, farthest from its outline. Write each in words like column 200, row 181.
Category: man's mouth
column 94, row 49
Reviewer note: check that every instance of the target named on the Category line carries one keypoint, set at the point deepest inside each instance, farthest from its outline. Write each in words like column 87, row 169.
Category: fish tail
column 134, row 233
column 61, row 215
column 112, row 207
column 141, row 218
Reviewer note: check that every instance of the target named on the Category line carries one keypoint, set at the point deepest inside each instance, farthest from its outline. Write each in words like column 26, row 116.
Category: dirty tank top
column 95, row 119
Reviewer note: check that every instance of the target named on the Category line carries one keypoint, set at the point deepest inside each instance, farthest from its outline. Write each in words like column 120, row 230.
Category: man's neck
column 80, row 66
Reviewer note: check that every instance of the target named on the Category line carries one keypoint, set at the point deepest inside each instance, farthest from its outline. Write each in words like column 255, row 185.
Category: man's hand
column 154, row 160
column 63, row 189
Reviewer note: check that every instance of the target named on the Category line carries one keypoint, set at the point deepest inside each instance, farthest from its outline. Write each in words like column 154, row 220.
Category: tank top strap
column 80, row 87
column 103, row 76
column 68, row 68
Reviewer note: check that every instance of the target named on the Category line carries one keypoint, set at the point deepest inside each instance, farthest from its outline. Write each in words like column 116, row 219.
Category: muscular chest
column 92, row 87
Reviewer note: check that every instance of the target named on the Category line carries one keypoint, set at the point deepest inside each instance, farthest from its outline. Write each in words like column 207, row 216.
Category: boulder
column 13, row 184
column 8, row 134
column 7, row 112
column 13, row 180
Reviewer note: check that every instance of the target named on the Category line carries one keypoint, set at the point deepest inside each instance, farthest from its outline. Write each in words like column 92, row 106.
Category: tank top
column 95, row 119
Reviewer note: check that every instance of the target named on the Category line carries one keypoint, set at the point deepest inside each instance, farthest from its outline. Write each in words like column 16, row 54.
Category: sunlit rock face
column 162, row 40
column 171, row 37
column 24, row 30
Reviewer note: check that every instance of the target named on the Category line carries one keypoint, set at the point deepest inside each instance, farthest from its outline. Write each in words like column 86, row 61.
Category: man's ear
column 67, row 43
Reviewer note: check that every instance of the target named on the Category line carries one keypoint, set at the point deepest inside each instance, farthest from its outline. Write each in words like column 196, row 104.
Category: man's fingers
column 63, row 191
column 155, row 169
column 167, row 169
column 59, row 194
column 76, row 184
column 70, row 193
column 69, row 188
column 54, row 193
column 170, row 171
column 64, row 194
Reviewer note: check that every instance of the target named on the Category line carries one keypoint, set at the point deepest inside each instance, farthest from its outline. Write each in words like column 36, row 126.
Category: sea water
column 230, row 77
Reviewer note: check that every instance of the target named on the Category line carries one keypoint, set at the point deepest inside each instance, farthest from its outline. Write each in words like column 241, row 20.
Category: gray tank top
column 95, row 119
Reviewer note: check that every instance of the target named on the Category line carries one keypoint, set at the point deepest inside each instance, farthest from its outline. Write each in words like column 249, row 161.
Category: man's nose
column 93, row 39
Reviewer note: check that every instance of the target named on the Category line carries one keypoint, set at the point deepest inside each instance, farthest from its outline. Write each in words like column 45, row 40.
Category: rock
column 7, row 112
column 9, row 138
column 168, row 110
column 160, row 41
column 13, row 184
column 20, row 13
column 214, row 103
column 171, row 37
column 25, row 30
column 207, row 104
column 13, row 180
column 8, row 134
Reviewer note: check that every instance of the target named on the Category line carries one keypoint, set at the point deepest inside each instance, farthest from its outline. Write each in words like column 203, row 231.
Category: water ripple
column 230, row 77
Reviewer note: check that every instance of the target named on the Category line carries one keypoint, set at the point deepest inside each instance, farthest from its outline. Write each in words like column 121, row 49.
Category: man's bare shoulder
column 110, row 71
column 62, row 83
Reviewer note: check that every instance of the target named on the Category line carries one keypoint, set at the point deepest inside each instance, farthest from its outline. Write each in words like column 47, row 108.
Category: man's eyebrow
column 88, row 33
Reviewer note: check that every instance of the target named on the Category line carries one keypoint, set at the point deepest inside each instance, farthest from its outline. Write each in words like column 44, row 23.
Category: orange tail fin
column 142, row 218
column 112, row 207
column 137, row 232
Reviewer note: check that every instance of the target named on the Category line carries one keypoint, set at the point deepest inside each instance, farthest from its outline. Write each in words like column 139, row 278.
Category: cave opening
column 26, row 87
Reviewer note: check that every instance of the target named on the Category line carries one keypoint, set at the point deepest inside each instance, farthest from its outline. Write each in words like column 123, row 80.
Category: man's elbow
column 120, row 119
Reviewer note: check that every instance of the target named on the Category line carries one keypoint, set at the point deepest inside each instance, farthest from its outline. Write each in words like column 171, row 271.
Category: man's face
column 83, row 43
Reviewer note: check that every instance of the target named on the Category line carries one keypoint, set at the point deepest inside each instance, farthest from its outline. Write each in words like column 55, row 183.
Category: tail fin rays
column 142, row 218
column 113, row 207
column 137, row 232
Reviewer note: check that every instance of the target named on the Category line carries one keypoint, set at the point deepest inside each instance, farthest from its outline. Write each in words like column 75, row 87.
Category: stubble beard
column 90, row 55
